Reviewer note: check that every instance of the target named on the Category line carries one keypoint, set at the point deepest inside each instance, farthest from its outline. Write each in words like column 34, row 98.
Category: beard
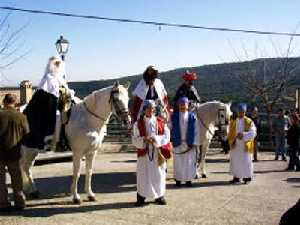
column 54, row 69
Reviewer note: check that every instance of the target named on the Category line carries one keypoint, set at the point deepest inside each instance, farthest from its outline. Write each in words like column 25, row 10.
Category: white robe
column 241, row 165
column 51, row 84
column 151, row 178
column 185, row 165
column 142, row 88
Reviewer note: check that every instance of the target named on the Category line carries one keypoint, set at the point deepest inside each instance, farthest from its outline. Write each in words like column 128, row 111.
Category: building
column 23, row 93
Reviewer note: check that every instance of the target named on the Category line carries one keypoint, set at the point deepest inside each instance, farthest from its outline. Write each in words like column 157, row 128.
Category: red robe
column 165, row 149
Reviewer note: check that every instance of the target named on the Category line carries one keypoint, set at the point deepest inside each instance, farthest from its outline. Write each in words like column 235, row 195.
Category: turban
column 189, row 76
column 242, row 107
column 148, row 104
column 183, row 100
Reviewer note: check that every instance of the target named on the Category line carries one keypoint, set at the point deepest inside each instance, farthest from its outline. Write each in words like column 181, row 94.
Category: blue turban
column 148, row 104
column 242, row 107
column 183, row 100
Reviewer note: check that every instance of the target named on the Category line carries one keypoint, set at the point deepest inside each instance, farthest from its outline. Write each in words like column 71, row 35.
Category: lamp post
column 62, row 47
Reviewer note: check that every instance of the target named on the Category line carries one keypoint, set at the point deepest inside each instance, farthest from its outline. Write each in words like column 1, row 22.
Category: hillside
column 214, row 81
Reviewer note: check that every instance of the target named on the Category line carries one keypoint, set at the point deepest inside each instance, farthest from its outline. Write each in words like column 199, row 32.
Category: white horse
column 84, row 132
column 211, row 115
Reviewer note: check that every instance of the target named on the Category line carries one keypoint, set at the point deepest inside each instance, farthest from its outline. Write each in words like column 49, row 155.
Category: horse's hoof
column 34, row 195
column 204, row 176
column 92, row 199
column 76, row 201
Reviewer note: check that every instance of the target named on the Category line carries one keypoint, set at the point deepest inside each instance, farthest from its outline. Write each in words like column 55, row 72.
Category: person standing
column 254, row 117
column 293, row 135
column 279, row 126
column 149, row 88
column 186, row 139
column 13, row 127
column 242, row 132
column 187, row 89
column 151, row 137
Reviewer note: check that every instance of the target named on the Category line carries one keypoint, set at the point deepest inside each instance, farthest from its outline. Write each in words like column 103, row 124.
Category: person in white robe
column 149, row 88
column 54, row 77
column 149, row 134
column 42, row 111
column 186, row 139
column 52, row 82
column 242, row 132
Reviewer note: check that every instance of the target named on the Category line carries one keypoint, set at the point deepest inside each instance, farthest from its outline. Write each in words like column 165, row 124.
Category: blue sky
column 102, row 50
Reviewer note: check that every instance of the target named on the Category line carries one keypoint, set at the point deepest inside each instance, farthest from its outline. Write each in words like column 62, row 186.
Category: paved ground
column 210, row 201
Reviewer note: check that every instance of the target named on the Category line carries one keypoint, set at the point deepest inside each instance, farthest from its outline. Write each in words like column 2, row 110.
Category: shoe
column 161, row 201
column 276, row 157
column 255, row 160
column 235, row 180
column 140, row 200
column 178, row 183
column 139, row 203
column 247, row 180
column 34, row 195
column 284, row 158
column 189, row 184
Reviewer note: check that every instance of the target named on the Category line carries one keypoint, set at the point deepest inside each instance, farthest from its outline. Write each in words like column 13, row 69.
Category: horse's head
column 119, row 100
column 223, row 119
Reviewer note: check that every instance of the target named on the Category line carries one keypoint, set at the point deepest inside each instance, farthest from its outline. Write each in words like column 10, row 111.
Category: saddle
column 65, row 104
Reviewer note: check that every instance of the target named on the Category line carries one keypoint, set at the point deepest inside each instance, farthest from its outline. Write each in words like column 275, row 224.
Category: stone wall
column 23, row 93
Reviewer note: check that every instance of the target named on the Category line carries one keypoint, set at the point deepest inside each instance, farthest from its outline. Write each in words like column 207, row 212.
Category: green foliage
column 215, row 82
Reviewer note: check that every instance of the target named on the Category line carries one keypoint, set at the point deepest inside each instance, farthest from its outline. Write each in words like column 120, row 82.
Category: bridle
column 115, row 104
column 222, row 121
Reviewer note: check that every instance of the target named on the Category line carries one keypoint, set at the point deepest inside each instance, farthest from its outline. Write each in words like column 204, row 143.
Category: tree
column 277, row 77
column 10, row 44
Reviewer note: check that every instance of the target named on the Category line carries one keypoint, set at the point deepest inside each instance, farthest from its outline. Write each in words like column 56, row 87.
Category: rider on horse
column 42, row 111
column 187, row 89
column 149, row 88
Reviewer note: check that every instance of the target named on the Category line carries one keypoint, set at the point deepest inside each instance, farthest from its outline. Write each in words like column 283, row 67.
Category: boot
column 140, row 200
column 161, row 201
column 235, row 180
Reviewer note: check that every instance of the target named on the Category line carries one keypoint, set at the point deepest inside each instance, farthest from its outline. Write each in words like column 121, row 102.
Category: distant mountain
column 215, row 82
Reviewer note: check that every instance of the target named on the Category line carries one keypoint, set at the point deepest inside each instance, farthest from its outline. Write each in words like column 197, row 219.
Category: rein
column 205, row 126
column 94, row 114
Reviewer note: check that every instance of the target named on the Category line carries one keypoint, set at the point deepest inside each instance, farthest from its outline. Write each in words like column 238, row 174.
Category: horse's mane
column 97, row 91
column 214, row 101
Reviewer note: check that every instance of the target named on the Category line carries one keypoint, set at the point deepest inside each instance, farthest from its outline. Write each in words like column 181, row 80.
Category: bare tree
column 10, row 44
column 268, row 80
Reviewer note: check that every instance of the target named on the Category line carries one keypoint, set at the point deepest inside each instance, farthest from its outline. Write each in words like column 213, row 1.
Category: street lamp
column 62, row 46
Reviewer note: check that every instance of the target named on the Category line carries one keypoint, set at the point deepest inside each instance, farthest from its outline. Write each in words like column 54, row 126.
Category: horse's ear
column 127, row 85
column 116, row 84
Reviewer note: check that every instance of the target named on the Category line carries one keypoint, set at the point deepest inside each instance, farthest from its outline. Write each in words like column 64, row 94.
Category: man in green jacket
column 13, row 127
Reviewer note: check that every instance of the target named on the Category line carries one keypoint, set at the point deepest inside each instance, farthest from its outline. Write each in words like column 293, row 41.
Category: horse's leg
column 202, row 162
column 76, row 175
column 28, row 156
column 89, row 161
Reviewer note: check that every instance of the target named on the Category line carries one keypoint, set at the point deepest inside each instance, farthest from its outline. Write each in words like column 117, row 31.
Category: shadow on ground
column 199, row 184
column 293, row 180
column 220, row 160
column 115, row 182
column 124, row 161
column 48, row 211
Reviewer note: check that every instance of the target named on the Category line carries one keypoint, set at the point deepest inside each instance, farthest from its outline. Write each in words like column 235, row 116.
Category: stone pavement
column 209, row 201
